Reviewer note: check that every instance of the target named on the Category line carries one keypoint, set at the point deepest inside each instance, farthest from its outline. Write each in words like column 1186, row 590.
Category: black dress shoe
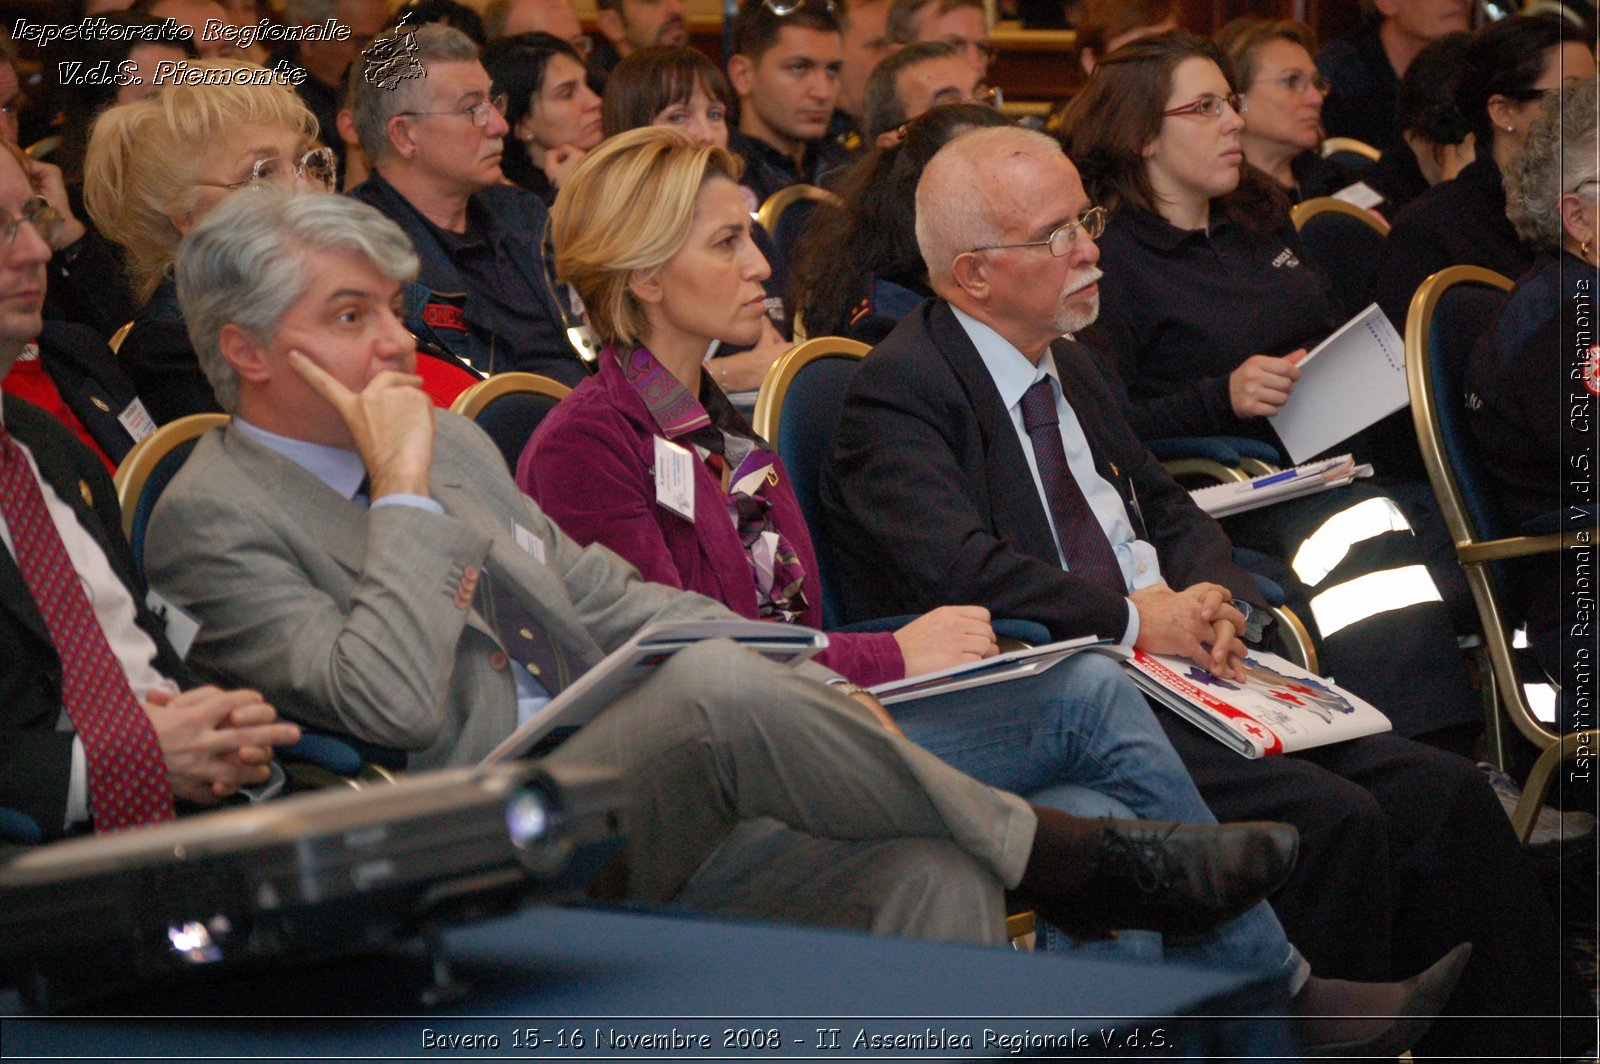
column 1181, row 879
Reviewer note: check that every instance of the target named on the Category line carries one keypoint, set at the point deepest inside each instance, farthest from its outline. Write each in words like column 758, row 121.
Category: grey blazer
column 360, row 621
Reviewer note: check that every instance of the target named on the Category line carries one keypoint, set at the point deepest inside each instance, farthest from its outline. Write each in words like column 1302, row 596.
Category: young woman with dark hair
column 553, row 114
column 1206, row 308
column 862, row 273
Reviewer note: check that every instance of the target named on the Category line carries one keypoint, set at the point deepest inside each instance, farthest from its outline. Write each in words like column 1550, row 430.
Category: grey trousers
column 754, row 790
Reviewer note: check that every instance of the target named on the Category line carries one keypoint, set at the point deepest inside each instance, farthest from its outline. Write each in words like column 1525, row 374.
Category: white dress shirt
column 1013, row 374
column 113, row 608
column 343, row 471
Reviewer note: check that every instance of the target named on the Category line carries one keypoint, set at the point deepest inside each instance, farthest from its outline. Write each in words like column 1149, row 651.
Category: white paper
column 181, row 627
column 629, row 664
column 531, row 543
column 1354, row 378
column 675, row 478
column 1220, row 500
column 1361, row 194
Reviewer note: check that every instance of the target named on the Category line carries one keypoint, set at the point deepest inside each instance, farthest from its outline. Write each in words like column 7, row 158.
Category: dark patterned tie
column 527, row 642
column 127, row 776
column 1083, row 541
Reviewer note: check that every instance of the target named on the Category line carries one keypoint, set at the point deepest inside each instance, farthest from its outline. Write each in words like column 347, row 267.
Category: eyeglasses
column 982, row 96
column 37, row 212
column 785, row 8
column 583, row 44
column 1298, row 81
column 1091, row 222
column 478, row 112
column 319, row 167
column 1581, row 185
column 1210, row 106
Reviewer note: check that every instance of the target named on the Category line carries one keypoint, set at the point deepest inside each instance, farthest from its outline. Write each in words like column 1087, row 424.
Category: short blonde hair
column 145, row 158
column 628, row 207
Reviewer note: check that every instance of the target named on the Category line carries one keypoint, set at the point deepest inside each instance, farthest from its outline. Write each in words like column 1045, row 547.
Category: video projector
column 309, row 877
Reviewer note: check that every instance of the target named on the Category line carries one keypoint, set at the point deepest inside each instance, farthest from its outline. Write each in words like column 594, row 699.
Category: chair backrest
column 786, row 211
column 147, row 470
column 509, row 407
column 1345, row 241
column 115, row 343
column 797, row 411
column 1449, row 313
column 1351, row 153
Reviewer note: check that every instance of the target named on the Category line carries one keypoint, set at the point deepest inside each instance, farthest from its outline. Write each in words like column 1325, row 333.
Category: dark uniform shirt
column 1531, row 412
column 1181, row 309
column 320, row 100
column 1398, row 179
column 1315, row 176
column 1460, row 222
column 766, row 169
column 1365, row 100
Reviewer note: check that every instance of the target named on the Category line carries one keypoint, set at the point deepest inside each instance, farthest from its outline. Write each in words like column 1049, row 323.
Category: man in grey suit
column 360, row 557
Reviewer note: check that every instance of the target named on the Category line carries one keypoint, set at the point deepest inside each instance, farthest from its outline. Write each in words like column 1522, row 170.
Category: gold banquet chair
column 1448, row 314
column 509, row 407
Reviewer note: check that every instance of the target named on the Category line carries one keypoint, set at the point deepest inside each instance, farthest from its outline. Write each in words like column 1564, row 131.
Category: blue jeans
column 1084, row 723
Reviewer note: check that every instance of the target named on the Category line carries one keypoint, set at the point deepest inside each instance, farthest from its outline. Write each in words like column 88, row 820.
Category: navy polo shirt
column 1365, row 101
column 1181, row 309
column 766, row 169
column 1455, row 223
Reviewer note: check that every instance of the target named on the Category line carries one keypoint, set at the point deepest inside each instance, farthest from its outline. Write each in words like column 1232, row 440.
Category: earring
column 1511, row 129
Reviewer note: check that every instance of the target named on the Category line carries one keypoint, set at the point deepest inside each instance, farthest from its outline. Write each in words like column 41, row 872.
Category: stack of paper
column 1219, row 500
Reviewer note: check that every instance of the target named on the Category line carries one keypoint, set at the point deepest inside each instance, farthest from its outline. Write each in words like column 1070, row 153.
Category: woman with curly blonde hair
column 155, row 167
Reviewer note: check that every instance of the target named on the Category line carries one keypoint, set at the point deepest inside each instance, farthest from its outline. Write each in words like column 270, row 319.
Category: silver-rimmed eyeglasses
column 1210, row 106
column 478, row 112
column 1091, row 222
column 1298, row 81
column 37, row 212
column 319, row 167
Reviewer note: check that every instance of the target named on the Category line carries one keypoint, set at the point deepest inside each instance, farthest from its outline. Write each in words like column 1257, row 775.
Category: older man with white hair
column 982, row 457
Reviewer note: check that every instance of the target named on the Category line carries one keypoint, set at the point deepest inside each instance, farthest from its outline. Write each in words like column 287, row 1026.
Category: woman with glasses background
column 1206, row 307
column 1536, row 363
column 1507, row 70
column 1283, row 91
column 858, row 270
column 553, row 114
column 153, row 169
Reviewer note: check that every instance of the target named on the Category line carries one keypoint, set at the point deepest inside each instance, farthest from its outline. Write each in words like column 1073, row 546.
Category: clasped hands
column 1199, row 623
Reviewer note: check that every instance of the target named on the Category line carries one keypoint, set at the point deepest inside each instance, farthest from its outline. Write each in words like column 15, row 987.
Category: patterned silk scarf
column 742, row 464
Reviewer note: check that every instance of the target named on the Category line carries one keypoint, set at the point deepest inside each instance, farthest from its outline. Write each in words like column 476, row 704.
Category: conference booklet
column 1013, row 665
column 1279, row 708
column 627, row 666
column 1353, row 379
column 1220, row 500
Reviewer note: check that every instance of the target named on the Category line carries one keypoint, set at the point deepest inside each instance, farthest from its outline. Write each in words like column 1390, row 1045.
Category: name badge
column 530, row 543
column 136, row 419
column 1361, row 194
column 675, row 478
column 181, row 625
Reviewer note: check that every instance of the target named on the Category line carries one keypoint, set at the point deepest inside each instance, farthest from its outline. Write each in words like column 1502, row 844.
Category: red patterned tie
column 127, row 776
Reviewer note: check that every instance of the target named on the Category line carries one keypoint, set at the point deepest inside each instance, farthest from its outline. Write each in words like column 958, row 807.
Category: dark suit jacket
column 35, row 758
column 929, row 500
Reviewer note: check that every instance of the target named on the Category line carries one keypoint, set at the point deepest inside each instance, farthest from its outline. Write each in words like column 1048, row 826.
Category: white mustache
column 1092, row 277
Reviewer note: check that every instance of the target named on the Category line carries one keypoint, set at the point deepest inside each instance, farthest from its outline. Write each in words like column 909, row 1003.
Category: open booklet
column 1220, row 500
column 619, row 671
column 1353, row 379
column 1278, row 709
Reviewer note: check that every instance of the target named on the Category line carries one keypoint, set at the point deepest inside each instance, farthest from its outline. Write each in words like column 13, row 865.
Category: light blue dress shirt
column 343, row 471
column 1013, row 375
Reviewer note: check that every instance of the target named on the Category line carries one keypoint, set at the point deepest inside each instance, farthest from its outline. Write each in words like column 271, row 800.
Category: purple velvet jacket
column 589, row 467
